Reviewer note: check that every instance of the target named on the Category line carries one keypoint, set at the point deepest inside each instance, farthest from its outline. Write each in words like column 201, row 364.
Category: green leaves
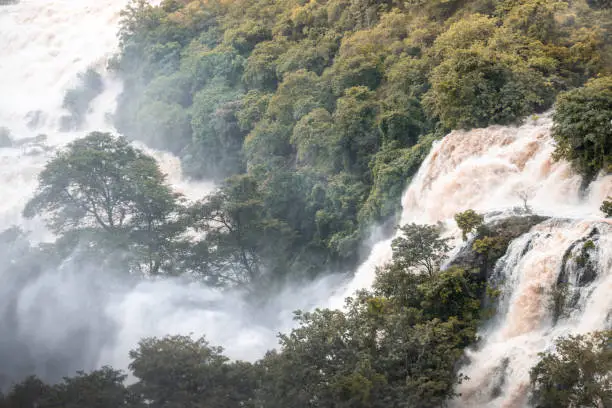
column 103, row 388
column 576, row 374
column 467, row 221
column 101, row 183
column 396, row 344
column 343, row 92
column 582, row 127
column 420, row 248
column 606, row 207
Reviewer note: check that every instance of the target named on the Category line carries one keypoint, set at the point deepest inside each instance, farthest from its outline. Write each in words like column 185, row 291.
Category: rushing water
column 67, row 319
column 491, row 170
column 528, row 276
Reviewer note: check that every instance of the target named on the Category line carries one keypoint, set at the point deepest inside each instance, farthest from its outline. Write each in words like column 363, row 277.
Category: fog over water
column 55, row 320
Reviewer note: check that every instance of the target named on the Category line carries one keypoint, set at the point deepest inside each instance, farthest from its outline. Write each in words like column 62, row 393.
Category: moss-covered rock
column 491, row 242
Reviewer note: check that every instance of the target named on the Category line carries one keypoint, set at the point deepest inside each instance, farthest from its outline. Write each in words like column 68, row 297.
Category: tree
column 242, row 241
column 526, row 194
column 479, row 86
column 395, row 345
column 315, row 142
column 26, row 394
column 355, row 126
column 419, row 248
column 77, row 100
column 467, row 221
column 576, row 374
column 606, row 207
column 103, row 388
column 582, row 127
column 217, row 135
column 178, row 371
column 101, row 183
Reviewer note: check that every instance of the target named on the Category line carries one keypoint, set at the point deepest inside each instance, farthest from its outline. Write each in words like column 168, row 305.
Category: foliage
column 491, row 247
column 180, row 371
column 606, row 207
column 467, row 221
column 582, row 126
column 238, row 231
column 341, row 91
column 103, row 388
column 576, row 374
column 398, row 343
column 77, row 100
column 420, row 248
column 102, row 184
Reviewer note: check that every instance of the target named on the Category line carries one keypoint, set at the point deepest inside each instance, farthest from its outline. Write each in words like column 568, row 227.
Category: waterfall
column 490, row 170
column 530, row 276
column 71, row 318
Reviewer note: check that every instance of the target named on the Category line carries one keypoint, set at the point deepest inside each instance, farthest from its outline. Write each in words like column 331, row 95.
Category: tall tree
column 243, row 243
column 420, row 248
column 177, row 371
column 102, row 184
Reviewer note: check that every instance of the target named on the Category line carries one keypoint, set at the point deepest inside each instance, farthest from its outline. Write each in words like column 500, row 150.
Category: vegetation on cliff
column 397, row 343
column 330, row 106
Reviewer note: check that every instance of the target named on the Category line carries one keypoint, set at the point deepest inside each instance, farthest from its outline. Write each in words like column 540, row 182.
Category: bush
column 577, row 374
column 606, row 207
column 582, row 127
column 467, row 221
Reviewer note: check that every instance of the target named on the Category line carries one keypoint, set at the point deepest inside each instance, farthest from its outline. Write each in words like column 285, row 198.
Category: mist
column 58, row 316
column 60, row 313
column 63, row 310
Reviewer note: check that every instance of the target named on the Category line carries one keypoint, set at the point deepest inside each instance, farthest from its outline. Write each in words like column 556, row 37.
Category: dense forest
column 312, row 117
column 321, row 111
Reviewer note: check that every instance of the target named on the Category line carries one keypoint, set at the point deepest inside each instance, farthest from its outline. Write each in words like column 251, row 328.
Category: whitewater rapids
column 45, row 44
column 490, row 170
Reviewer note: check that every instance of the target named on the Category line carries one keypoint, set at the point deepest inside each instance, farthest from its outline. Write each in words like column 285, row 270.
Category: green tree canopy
column 576, row 374
column 102, row 183
column 178, row 371
column 420, row 248
column 583, row 127
column 467, row 221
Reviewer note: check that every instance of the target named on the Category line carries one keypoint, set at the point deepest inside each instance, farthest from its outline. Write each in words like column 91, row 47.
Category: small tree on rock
column 467, row 221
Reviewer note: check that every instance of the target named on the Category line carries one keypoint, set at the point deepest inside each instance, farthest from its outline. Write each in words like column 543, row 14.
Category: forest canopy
column 328, row 107
column 311, row 117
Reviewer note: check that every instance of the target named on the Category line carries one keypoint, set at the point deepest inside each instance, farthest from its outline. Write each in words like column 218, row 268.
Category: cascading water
column 494, row 170
column 531, row 277
column 88, row 318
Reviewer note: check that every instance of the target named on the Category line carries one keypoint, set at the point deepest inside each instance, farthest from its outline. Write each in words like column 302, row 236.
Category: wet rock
column 501, row 232
column 578, row 260
column 37, row 140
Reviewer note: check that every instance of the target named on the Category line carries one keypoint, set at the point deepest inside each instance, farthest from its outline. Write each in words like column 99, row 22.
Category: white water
column 44, row 45
column 499, row 369
column 485, row 169
column 69, row 318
